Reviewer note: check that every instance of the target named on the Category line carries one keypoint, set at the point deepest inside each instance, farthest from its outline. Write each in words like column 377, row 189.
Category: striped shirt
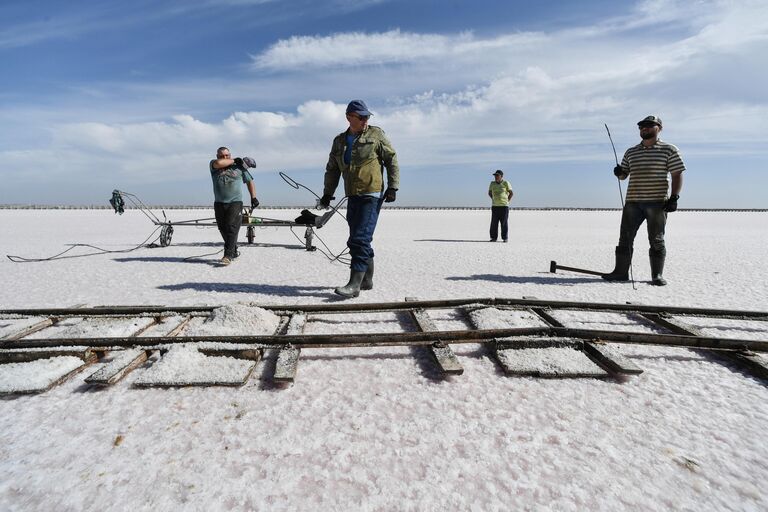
column 648, row 167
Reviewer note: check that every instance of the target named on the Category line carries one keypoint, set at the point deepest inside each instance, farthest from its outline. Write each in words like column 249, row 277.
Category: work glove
column 619, row 172
column 306, row 217
column 325, row 201
column 249, row 162
column 254, row 202
column 671, row 204
column 390, row 195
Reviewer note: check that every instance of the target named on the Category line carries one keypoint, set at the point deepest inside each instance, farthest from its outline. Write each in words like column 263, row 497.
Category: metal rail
column 506, row 343
column 400, row 339
column 400, row 306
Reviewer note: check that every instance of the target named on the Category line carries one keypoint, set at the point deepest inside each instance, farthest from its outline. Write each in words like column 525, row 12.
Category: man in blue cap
column 359, row 155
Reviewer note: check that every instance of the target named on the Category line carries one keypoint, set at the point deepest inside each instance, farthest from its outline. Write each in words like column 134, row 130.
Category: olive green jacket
column 364, row 175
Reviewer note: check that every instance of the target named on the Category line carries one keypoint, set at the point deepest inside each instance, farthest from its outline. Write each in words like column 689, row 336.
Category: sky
column 138, row 95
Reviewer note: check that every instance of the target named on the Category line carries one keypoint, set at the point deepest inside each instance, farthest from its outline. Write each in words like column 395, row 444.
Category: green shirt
column 500, row 192
column 228, row 183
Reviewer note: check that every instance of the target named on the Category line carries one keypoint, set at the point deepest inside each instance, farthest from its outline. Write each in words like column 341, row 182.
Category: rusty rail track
column 668, row 326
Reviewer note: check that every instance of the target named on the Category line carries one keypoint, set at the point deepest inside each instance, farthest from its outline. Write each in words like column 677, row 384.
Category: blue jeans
column 633, row 216
column 362, row 215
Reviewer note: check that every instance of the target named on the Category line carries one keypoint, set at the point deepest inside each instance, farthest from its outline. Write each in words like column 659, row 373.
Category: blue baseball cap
column 358, row 107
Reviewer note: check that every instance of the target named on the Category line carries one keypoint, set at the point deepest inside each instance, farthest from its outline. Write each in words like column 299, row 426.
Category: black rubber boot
column 367, row 283
column 352, row 288
column 657, row 268
column 623, row 260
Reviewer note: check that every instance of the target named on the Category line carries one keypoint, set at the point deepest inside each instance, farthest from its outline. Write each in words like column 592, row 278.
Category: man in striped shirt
column 647, row 165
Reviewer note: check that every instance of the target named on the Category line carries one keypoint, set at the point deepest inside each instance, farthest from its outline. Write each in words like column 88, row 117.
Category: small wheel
column 250, row 233
column 166, row 234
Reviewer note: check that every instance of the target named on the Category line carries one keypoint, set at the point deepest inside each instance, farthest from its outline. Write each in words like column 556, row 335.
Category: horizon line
column 209, row 207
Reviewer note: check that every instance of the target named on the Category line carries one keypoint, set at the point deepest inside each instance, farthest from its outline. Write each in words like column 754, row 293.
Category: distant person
column 227, row 175
column 359, row 155
column 647, row 165
column 500, row 192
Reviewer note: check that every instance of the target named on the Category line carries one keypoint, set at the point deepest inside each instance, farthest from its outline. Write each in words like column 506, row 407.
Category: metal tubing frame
column 211, row 223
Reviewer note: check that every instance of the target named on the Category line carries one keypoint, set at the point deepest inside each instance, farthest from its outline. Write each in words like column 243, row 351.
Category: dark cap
column 499, row 172
column 358, row 107
column 650, row 120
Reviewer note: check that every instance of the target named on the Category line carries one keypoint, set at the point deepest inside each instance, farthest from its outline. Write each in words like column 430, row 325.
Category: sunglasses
column 362, row 118
column 649, row 125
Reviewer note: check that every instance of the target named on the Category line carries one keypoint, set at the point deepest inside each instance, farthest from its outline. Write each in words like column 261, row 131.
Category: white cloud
column 36, row 31
column 394, row 46
column 539, row 79
column 58, row 25
column 137, row 151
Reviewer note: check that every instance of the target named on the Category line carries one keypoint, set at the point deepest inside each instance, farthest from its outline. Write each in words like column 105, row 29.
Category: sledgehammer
column 553, row 266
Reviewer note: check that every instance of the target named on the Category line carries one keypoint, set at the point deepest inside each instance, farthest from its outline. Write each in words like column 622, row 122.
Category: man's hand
column 254, row 202
column 239, row 163
column 390, row 195
column 619, row 172
column 671, row 204
column 249, row 162
column 325, row 201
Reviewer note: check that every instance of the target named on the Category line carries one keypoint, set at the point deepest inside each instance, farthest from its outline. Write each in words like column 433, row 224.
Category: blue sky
column 138, row 95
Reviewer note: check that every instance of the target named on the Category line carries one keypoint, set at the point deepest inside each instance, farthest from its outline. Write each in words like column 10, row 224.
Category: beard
column 647, row 135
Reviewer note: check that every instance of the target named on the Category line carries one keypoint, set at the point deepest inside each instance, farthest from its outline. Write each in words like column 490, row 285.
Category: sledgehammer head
column 553, row 266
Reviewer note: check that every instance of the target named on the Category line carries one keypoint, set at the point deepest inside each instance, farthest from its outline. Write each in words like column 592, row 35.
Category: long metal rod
column 264, row 222
column 406, row 339
column 675, row 340
column 621, row 195
column 295, row 340
column 615, row 156
column 399, row 306
column 553, row 267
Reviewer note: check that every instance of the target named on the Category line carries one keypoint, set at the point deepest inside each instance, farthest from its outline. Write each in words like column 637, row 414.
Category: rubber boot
column 352, row 288
column 367, row 283
column 657, row 268
column 623, row 260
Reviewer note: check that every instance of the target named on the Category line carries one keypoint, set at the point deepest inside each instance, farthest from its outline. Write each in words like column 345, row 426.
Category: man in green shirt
column 500, row 192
